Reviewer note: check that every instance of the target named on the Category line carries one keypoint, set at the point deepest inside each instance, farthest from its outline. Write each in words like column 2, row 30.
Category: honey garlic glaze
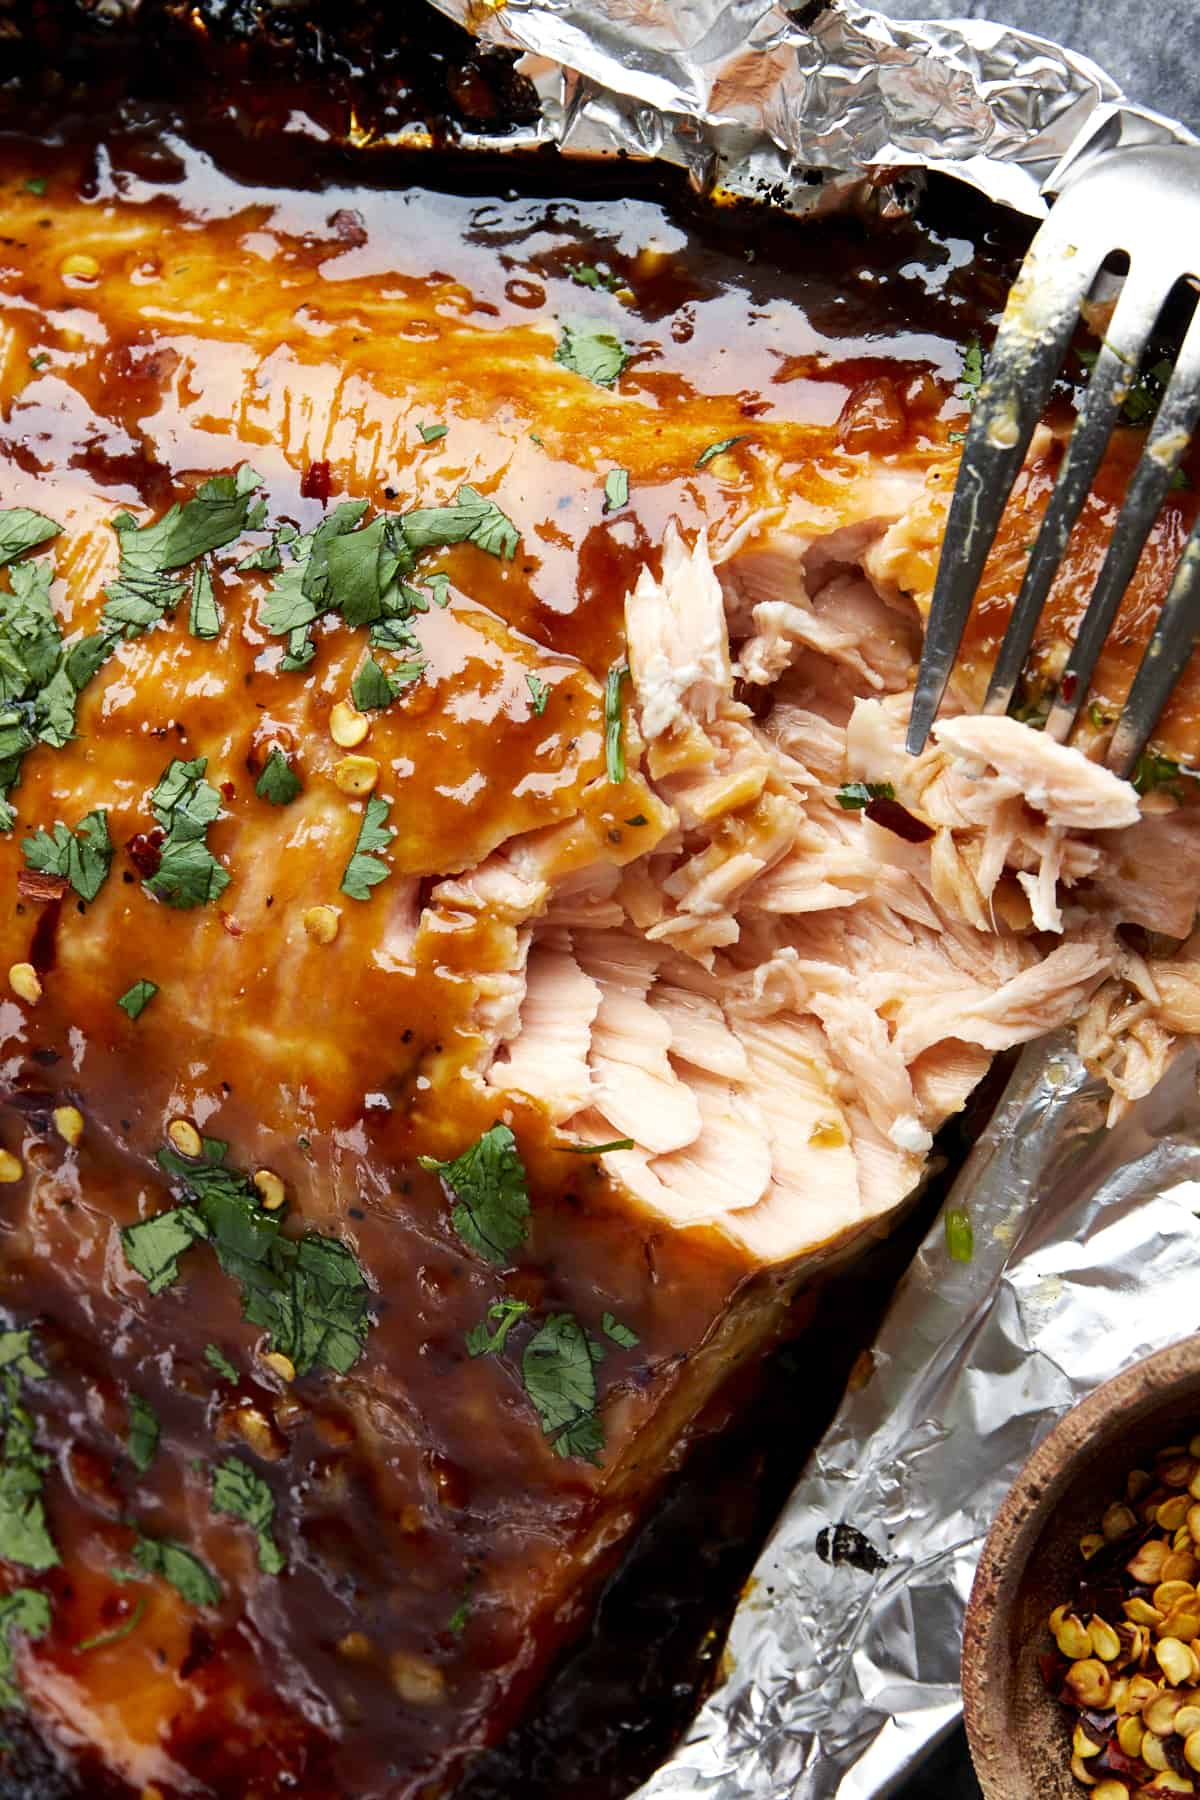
column 163, row 324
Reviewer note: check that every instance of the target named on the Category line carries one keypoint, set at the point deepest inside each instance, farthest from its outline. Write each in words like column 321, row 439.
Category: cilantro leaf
column 27, row 1611
column 971, row 379
column 125, row 1629
column 488, row 1183
column 81, row 857
column 481, row 1341
column 145, row 589
column 279, row 782
column 852, row 796
column 85, row 656
column 142, row 1442
column 616, row 489
column 371, row 688
column 560, row 1379
column 137, row 998
column 239, row 1490
column 473, row 519
column 185, row 805
column 365, row 870
column 204, row 620
column 175, row 1563
column 22, row 529
column 24, row 1535
column 431, row 433
column 614, row 738
column 717, row 449
column 308, row 1293
column 300, row 595
column 216, row 1359
column 587, row 275
column 16, row 1353
column 592, row 350
column 539, row 693
column 620, row 1334
column 153, row 1246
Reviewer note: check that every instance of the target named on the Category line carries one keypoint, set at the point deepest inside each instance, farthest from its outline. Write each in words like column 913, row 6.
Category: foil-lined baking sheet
column 842, row 1669
column 751, row 101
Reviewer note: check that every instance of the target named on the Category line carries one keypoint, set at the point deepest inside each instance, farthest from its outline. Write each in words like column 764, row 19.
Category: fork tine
column 1165, row 443
column 1041, row 314
column 1172, row 642
column 1132, row 322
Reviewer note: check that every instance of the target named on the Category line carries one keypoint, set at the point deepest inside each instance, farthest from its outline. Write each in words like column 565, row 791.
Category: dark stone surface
column 1151, row 53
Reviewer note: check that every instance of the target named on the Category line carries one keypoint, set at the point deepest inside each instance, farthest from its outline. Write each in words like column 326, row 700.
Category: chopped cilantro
column 431, row 433
column 27, row 1611
column 81, row 857
column 614, row 739
column 560, row 1378
column 146, row 588
column 481, row 1341
column 237, row 1489
column 960, row 1238
column 616, row 489
column 361, row 570
column 38, row 360
column 175, row 1563
column 216, row 1359
column 16, row 1353
column 852, row 796
column 456, row 1624
column 491, row 1210
column 142, row 1442
column 365, row 870
column 204, row 620
column 22, row 529
column 153, row 1246
column 1153, row 771
column 185, row 805
column 971, row 379
column 137, row 998
column 706, row 455
column 24, row 1535
column 279, row 782
column 620, row 1334
column 592, row 350
column 371, row 688
column 589, row 276
column 308, row 1293
column 539, row 693
column 125, row 1629
column 35, row 184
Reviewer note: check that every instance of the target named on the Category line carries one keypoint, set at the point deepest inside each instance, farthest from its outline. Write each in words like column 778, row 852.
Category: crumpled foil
column 843, row 1657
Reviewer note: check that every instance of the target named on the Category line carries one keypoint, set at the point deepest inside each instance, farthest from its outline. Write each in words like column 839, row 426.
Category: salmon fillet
column 462, row 980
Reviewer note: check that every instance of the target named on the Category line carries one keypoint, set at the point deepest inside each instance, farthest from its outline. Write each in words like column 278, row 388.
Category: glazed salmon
column 475, row 943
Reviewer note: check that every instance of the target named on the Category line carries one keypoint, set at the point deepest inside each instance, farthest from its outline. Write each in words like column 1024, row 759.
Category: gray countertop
column 1153, row 52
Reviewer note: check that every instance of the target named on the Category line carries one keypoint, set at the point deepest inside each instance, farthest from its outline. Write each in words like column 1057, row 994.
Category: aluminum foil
column 752, row 102
column 843, row 1657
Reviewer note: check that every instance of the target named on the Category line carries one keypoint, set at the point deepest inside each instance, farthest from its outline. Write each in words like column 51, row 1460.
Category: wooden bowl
column 1019, row 1735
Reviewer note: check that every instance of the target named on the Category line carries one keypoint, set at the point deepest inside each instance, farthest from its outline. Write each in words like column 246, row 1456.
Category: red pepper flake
column 896, row 818
column 230, row 924
column 1070, row 682
column 145, row 851
column 317, row 483
column 32, row 885
column 227, row 791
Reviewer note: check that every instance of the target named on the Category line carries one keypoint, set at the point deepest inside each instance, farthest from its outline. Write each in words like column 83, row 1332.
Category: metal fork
column 1146, row 202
